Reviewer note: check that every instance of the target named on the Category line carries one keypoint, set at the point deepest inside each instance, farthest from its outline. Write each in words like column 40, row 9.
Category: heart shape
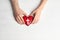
column 28, row 20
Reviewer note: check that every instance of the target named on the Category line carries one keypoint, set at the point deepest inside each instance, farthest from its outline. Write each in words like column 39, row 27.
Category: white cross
column 27, row 20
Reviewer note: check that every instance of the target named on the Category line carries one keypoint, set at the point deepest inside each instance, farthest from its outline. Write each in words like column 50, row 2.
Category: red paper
column 28, row 20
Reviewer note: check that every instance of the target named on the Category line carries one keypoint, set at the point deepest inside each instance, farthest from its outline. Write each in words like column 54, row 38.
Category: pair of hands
column 18, row 14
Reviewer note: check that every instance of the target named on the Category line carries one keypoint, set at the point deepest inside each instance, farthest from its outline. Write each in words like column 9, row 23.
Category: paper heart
column 28, row 20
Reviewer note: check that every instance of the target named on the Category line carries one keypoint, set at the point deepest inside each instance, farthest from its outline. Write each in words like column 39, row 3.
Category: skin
column 18, row 13
column 37, row 12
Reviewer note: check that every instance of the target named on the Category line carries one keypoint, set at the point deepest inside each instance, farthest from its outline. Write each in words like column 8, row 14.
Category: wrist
column 14, row 3
column 43, row 2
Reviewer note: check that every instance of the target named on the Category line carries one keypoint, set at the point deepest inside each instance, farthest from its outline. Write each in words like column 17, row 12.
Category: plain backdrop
column 48, row 27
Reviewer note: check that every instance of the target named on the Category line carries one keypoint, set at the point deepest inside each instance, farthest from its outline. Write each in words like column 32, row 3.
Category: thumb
column 33, row 13
column 24, row 13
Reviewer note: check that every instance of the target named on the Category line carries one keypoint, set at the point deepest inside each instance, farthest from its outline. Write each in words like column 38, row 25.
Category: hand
column 36, row 15
column 18, row 14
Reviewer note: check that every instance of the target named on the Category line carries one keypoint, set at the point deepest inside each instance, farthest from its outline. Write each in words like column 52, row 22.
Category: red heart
column 28, row 20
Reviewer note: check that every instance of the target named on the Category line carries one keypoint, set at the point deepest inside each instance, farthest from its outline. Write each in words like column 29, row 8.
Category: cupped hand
column 36, row 15
column 18, row 14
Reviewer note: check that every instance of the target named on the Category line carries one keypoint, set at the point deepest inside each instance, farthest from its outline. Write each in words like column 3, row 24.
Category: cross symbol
column 27, row 20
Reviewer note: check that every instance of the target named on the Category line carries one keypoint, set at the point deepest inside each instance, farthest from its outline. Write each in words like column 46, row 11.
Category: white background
column 48, row 27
